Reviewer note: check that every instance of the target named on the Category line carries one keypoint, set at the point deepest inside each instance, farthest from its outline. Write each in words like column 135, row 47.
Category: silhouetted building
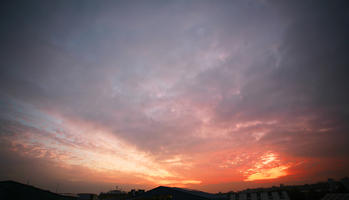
column 263, row 194
column 87, row 196
column 134, row 192
column 336, row 196
column 116, row 192
column 316, row 191
column 345, row 183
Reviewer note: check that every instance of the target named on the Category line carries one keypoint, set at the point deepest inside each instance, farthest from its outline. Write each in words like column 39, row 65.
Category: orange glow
column 102, row 153
column 272, row 173
column 268, row 166
column 99, row 154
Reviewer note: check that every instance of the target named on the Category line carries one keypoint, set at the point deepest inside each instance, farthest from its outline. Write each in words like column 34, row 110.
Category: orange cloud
column 269, row 166
column 272, row 173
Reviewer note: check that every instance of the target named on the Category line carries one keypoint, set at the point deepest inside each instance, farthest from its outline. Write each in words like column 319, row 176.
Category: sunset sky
column 209, row 95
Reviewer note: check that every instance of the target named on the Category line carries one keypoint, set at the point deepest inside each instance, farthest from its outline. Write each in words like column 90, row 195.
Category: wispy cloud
column 178, row 93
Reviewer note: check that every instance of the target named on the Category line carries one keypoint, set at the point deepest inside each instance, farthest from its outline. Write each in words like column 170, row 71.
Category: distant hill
column 11, row 190
column 174, row 193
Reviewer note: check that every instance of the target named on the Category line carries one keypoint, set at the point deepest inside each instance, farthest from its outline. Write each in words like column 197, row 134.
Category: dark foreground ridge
column 11, row 190
column 174, row 193
column 329, row 190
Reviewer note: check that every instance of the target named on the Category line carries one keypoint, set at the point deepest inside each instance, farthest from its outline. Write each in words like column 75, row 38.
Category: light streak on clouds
column 85, row 145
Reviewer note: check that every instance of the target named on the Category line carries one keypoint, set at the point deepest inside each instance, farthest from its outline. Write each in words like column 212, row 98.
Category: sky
column 209, row 95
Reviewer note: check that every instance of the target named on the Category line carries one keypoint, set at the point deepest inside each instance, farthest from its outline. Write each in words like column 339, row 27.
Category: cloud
column 67, row 144
column 197, row 89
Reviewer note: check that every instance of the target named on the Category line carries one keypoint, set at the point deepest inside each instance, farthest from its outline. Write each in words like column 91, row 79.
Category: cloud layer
column 192, row 94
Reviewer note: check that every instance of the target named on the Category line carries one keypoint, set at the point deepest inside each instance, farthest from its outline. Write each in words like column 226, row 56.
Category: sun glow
column 268, row 166
column 264, row 174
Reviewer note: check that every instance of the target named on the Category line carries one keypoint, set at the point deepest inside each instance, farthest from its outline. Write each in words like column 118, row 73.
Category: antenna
column 57, row 187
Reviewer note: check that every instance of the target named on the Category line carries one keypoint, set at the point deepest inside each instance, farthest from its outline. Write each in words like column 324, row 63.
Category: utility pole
column 57, row 188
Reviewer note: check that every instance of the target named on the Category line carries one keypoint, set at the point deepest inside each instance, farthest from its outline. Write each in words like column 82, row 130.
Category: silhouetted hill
column 11, row 190
column 174, row 193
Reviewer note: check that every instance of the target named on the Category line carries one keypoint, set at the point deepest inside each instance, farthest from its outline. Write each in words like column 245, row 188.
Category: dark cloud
column 181, row 77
